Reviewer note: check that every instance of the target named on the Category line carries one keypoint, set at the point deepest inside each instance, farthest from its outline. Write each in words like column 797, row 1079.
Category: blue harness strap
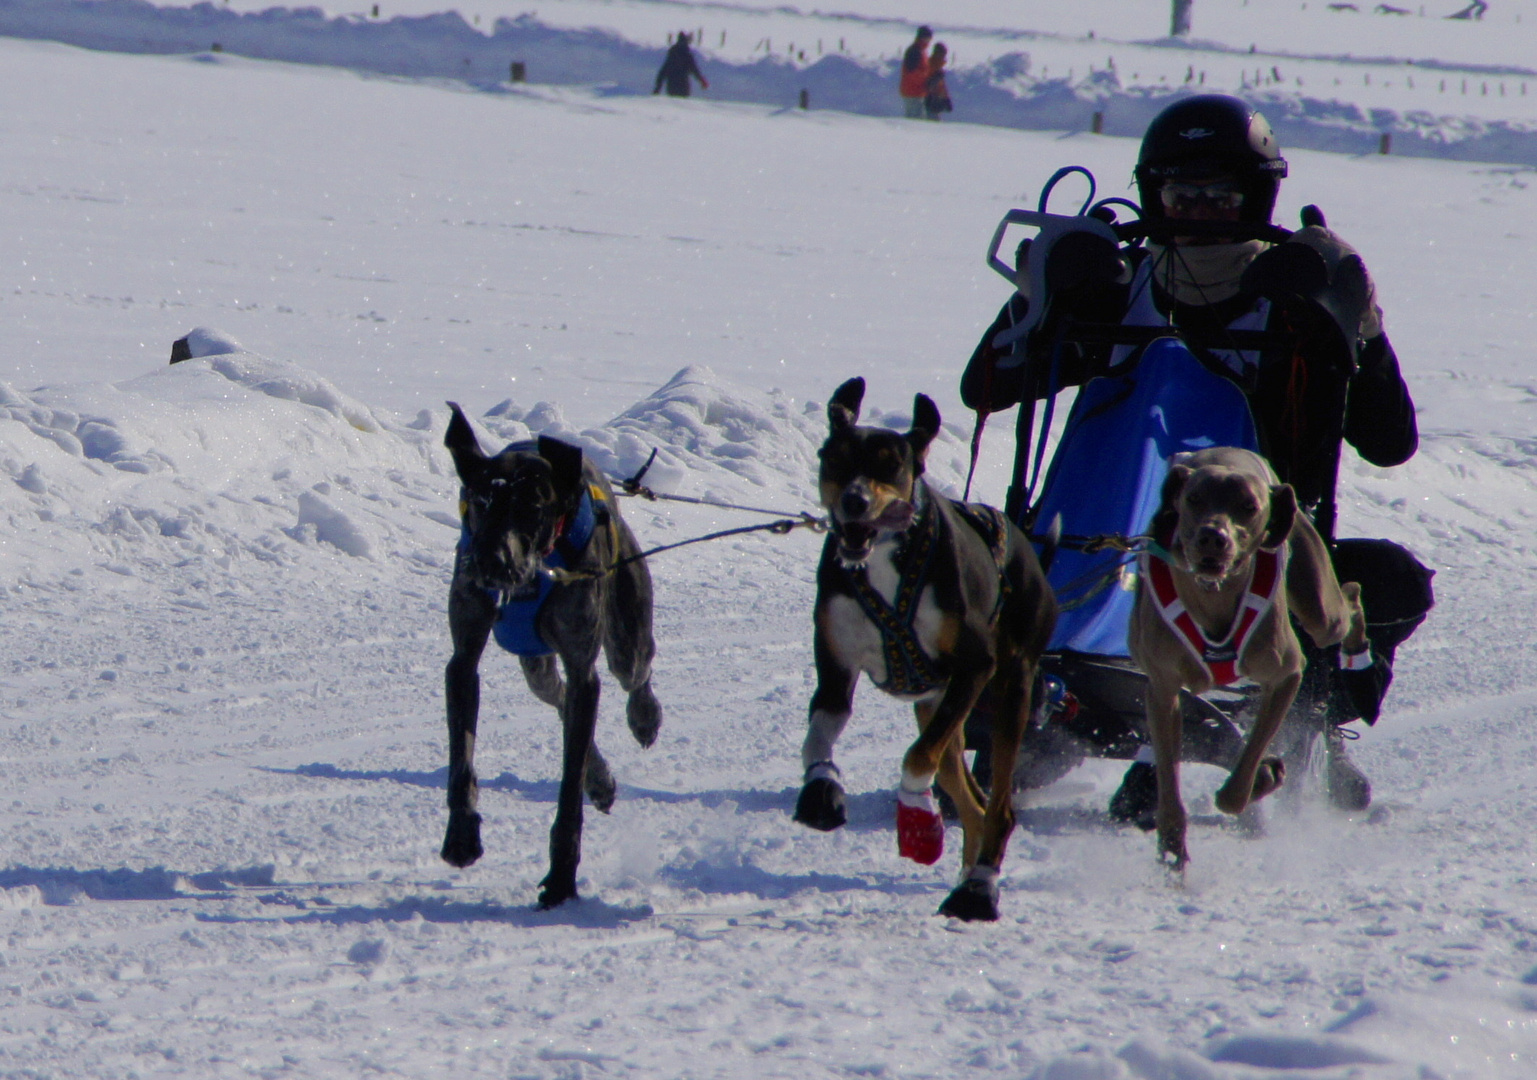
column 517, row 615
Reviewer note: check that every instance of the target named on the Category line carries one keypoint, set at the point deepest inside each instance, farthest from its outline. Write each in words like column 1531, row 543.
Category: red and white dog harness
column 1220, row 659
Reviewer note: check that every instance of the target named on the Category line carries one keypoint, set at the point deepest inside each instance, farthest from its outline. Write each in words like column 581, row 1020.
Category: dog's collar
column 574, row 531
column 1221, row 660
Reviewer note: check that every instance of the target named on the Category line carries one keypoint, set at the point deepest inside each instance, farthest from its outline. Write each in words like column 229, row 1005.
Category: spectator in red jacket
column 915, row 74
column 936, row 96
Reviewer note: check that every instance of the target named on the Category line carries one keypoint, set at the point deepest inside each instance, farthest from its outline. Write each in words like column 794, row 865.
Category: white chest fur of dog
column 857, row 641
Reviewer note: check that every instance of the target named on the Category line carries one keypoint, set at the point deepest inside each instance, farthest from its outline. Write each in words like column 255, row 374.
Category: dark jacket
column 676, row 69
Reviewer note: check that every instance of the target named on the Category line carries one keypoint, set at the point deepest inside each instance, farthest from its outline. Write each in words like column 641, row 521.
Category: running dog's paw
column 821, row 805
column 644, row 714
column 1270, row 775
column 557, row 888
column 598, row 781
column 974, row 900
column 1171, row 845
column 461, row 843
column 920, row 829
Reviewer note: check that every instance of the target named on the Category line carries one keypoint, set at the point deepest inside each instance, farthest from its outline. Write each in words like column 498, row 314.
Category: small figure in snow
column 936, row 96
column 914, row 86
column 678, row 67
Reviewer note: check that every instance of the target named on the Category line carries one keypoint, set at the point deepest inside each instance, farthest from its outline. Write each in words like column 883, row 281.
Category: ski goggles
column 1217, row 195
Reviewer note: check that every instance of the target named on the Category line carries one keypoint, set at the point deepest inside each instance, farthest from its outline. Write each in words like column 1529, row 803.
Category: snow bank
column 711, row 435
column 227, row 457
column 235, row 457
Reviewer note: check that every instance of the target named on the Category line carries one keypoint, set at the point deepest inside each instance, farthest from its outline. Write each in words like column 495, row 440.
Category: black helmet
column 1211, row 135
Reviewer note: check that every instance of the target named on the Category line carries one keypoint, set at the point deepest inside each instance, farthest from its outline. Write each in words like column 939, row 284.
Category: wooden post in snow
column 1179, row 18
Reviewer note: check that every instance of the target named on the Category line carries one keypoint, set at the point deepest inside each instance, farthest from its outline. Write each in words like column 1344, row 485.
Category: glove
column 1079, row 259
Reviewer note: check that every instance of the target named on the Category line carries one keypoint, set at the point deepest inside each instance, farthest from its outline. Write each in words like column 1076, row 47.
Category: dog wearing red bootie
column 936, row 601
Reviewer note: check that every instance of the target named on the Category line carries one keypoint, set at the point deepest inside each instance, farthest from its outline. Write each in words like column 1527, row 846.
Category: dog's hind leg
column 957, row 782
column 470, row 615
column 975, row 899
column 543, row 676
column 628, row 642
column 542, row 673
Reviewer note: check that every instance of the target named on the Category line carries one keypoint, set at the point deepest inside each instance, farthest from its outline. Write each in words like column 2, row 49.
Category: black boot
column 1135, row 802
column 1349, row 789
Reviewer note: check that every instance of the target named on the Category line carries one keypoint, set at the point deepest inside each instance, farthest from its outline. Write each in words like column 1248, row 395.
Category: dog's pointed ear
column 1283, row 513
column 565, row 462
column 1167, row 517
column 843, row 409
column 925, row 428
column 462, row 445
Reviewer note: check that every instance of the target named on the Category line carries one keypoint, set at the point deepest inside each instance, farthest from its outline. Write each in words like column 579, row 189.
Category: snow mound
column 228, row 458
column 206, row 341
column 276, row 378
column 233, row 460
column 713, row 436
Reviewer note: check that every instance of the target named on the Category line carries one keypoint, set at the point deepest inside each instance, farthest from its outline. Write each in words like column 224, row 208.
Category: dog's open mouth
column 857, row 538
column 512, row 580
column 1210, row 572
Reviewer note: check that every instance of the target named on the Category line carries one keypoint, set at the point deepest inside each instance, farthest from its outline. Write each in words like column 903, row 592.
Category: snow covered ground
column 220, row 702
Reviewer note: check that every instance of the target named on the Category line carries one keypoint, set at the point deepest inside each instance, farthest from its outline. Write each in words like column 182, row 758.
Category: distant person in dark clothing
column 915, row 74
column 936, row 96
column 677, row 68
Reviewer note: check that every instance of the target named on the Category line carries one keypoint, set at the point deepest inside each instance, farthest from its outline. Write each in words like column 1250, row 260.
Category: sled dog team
column 937, row 602
column 946, row 604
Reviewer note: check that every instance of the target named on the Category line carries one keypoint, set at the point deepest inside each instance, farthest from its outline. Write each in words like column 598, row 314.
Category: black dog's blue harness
column 517, row 614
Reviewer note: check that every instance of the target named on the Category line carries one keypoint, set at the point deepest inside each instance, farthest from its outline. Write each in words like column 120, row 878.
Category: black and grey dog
column 935, row 601
column 536, row 567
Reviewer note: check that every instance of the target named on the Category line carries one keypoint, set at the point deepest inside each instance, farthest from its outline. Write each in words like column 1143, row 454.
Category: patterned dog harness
column 517, row 614
column 1221, row 660
column 909, row 670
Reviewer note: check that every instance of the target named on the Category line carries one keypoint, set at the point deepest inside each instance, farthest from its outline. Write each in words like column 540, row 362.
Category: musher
column 1212, row 159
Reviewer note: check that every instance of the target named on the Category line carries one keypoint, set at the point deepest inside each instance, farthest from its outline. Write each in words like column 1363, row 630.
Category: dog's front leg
column 578, row 719
column 470, row 616
column 1165, row 731
column 821, row 802
column 1255, row 775
column 920, row 829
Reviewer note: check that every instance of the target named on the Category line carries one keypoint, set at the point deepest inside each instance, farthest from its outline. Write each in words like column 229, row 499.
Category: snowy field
column 221, row 704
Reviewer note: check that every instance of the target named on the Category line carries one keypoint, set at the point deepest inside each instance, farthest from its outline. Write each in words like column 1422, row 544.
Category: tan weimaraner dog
column 1215, row 605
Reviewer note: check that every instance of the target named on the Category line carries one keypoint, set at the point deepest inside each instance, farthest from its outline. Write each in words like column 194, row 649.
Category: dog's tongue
column 896, row 517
